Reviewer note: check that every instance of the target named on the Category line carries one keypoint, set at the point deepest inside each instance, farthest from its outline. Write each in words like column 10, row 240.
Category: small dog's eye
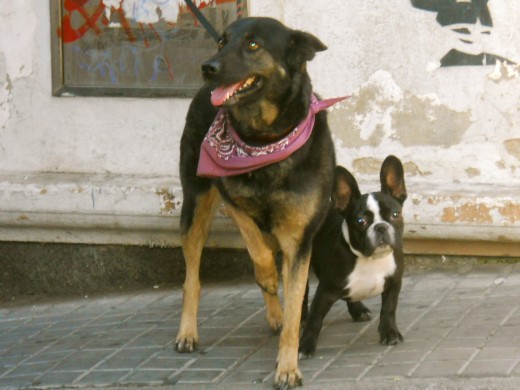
column 361, row 221
column 396, row 214
column 253, row 46
column 221, row 43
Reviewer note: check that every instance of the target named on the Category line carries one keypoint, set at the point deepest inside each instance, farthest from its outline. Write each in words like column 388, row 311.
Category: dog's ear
column 303, row 46
column 345, row 188
column 392, row 179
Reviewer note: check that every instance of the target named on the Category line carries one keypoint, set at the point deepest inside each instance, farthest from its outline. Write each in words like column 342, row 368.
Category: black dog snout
column 211, row 67
column 381, row 228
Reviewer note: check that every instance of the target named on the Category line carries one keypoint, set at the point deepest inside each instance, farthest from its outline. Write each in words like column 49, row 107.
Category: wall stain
column 504, row 71
column 168, row 201
column 367, row 165
column 510, row 211
column 419, row 121
column 380, row 109
column 412, row 169
column 500, row 164
column 513, row 147
column 469, row 212
column 472, row 172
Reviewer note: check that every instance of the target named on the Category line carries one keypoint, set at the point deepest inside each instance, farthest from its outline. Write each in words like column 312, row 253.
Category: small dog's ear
column 392, row 179
column 304, row 46
column 345, row 188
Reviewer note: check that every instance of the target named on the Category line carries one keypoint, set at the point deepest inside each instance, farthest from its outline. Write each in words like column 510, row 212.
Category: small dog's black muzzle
column 381, row 228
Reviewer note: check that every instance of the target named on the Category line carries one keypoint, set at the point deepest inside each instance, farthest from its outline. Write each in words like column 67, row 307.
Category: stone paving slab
column 461, row 331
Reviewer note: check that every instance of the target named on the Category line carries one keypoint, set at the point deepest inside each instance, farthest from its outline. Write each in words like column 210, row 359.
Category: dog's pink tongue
column 220, row 94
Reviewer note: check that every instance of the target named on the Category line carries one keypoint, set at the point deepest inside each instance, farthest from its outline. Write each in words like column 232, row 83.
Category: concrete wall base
column 137, row 210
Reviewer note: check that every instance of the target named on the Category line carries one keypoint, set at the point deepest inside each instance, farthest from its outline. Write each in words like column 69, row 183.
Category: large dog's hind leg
column 193, row 238
column 262, row 249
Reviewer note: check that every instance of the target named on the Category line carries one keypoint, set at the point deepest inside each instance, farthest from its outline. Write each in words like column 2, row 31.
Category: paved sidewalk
column 461, row 331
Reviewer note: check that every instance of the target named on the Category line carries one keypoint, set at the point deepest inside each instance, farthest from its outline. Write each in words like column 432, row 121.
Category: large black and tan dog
column 258, row 98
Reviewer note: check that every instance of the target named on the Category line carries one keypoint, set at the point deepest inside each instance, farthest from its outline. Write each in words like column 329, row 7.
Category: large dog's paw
column 186, row 344
column 390, row 336
column 307, row 347
column 273, row 312
column 275, row 321
column 287, row 379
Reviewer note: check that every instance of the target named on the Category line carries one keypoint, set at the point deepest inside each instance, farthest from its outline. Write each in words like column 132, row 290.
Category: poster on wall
column 145, row 48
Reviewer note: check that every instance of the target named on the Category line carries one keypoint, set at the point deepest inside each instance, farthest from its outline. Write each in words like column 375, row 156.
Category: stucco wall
column 105, row 169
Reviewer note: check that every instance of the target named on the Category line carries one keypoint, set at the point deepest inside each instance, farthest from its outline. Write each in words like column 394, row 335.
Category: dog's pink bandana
column 223, row 153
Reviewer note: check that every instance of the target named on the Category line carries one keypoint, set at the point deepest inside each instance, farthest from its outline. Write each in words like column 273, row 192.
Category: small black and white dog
column 357, row 254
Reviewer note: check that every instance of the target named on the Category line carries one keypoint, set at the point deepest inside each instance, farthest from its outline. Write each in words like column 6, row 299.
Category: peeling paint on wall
column 472, row 172
column 420, row 121
column 412, row 169
column 168, row 201
column 513, row 147
column 380, row 108
column 510, row 211
column 367, row 165
column 504, row 71
column 364, row 119
column 478, row 213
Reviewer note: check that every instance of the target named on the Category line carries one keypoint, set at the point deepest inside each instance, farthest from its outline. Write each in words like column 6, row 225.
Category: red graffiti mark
column 144, row 35
column 70, row 34
column 126, row 25
column 155, row 32
column 169, row 65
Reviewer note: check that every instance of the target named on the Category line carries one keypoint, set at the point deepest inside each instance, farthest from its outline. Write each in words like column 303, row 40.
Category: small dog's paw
column 307, row 348
column 186, row 344
column 391, row 337
column 359, row 312
column 288, row 380
column 363, row 317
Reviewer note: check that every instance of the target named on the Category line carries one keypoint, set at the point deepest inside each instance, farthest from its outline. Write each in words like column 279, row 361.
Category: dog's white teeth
column 247, row 83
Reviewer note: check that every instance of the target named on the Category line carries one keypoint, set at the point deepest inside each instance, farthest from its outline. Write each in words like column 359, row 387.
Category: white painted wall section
column 105, row 170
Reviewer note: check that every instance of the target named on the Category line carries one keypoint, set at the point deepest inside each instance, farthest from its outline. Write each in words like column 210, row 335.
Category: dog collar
column 223, row 153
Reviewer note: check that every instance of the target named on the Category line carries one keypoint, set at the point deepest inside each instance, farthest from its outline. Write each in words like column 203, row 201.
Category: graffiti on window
column 471, row 27
column 134, row 47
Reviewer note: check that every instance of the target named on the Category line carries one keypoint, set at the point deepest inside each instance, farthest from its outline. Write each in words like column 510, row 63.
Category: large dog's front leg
column 196, row 218
column 262, row 249
column 295, row 273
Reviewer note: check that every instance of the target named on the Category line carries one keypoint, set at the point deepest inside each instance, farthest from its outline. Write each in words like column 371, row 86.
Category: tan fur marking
column 192, row 244
column 262, row 249
column 295, row 215
column 295, row 273
column 269, row 112
column 289, row 232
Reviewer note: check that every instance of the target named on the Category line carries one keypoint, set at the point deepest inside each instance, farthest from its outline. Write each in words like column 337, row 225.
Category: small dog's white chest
column 368, row 277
